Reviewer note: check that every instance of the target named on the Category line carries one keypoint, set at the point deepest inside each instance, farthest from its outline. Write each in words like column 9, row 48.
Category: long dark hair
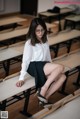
column 31, row 33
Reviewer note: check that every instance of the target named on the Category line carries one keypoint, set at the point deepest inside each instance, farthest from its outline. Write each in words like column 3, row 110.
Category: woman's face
column 39, row 32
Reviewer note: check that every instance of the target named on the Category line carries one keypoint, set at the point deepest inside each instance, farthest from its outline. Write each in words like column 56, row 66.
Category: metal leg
column 77, row 83
column 25, row 108
column 6, row 65
column 56, row 50
column 3, row 105
column 69, row 46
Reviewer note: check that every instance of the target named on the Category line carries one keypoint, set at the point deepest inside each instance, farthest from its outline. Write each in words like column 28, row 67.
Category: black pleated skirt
column 35, row 69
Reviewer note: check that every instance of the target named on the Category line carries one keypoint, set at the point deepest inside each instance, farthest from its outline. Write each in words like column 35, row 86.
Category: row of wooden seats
column 8, row 87
column 53, row 40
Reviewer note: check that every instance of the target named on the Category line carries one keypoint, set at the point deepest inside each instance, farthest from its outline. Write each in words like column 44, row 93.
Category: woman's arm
column 27, row 55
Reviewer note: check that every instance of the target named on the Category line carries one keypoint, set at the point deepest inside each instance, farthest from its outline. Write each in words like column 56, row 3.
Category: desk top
column 8, row 88
column 70, row 110
column 74, row 18
column 71, row 61
column 11, row 52
column 65, row 10
column 62, row 11
column 47, row 14
column 63, row 36
column 11, row 20
column 13, row 33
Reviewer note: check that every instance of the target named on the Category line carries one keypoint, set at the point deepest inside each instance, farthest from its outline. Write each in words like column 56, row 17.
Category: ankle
column 43, row 91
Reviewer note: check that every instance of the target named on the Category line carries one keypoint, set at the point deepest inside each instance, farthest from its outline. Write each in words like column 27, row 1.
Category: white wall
column 43, row 5
column 10, row 6
column 1, row 5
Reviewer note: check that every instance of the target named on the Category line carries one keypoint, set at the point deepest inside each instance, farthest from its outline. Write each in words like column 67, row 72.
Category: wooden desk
column 62, row 11
column 49, row 16
column 6, row 55
column 72, row 61
column 65, row 10
column 11, row 20
column 8, row 88
column 13, row 33
column 73, row 19
column 10, row 53
column 65, row 38
column 10, row 23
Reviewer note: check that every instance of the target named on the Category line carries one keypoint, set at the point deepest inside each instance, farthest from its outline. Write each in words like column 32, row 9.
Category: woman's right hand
column 20, row 83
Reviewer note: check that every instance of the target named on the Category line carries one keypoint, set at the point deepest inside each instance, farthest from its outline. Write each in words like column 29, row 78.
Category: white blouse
column 39, row 52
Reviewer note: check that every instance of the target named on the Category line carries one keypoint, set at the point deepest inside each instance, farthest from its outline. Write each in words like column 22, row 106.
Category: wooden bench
column 8, row 54
column 71, row 61
column 12, row 34
column 9, row 89
column 65, row 38
column 8, row 84
column 10, row 22
column 48, row 14
column 73, row 19
column 12, row 90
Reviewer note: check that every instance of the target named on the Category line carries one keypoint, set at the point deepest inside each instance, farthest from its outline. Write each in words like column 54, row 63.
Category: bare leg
column 55, row 86
column 53, row 71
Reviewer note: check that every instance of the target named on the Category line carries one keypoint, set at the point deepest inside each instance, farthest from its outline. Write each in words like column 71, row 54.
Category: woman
column 37, row 62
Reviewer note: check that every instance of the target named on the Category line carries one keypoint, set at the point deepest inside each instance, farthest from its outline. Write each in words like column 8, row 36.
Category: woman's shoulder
column 46, row 43
column 28, row 42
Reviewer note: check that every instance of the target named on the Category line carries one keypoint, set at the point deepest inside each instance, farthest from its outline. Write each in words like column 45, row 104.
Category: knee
column 61, row 68
column 63, row 77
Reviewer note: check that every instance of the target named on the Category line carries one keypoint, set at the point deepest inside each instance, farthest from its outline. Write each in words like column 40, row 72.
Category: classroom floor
column 14, row 109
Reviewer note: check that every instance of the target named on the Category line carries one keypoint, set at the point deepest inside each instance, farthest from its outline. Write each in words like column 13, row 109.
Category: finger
column 17, row 84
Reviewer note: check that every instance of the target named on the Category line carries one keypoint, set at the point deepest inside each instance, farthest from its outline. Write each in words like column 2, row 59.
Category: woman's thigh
column 49, row 67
